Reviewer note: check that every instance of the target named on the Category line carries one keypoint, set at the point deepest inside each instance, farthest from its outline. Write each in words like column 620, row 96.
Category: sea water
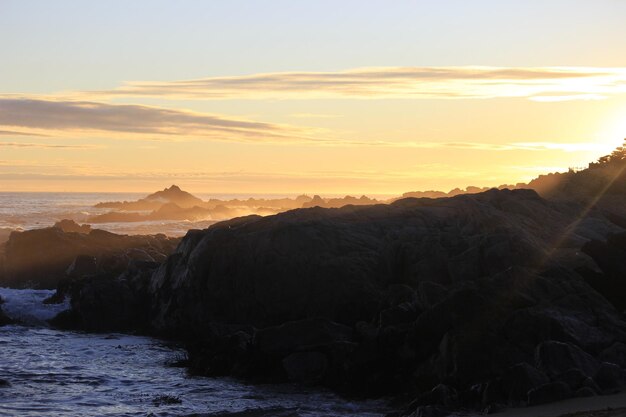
column 63, row 373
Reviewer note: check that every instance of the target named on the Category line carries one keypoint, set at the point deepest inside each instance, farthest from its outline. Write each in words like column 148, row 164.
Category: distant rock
column 5, row 233
column 70, row 226
column 175, row 195
column 318, row 201
column 153, row 201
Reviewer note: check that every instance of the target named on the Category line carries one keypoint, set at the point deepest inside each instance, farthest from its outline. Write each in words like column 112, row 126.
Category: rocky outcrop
column 336, row 263
column 153, row 201
column 71, row 226
column 476, row 301
column 104, row 302
column 41, row 258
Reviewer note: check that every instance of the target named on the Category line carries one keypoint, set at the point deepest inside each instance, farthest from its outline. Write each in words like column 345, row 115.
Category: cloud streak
column 556, row 83
column 46, row 145
column 34, row 116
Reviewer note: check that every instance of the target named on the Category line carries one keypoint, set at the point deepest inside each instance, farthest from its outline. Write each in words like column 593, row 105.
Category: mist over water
column 25, row 211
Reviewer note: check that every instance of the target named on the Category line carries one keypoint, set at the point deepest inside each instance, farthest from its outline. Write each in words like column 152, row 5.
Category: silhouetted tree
column 618, row 156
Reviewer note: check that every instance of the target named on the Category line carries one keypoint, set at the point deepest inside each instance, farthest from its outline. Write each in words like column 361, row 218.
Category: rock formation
column 475, row 301
column 40, row 258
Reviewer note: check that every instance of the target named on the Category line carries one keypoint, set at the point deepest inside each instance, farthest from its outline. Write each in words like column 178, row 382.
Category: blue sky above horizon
column 382, row 136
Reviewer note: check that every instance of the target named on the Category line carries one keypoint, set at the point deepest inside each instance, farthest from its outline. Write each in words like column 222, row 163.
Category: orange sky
column 104, row 101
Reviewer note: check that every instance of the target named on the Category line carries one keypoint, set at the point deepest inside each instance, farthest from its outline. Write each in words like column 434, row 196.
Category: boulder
column 550, row 392
column 616, row 353
column 81, row 266
column 555, row 358
column 306, row 367
column 518, row 380
column 297, row 335
column 610, row 377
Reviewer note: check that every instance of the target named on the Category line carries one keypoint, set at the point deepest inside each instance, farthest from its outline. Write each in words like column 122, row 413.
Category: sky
column 318, row 97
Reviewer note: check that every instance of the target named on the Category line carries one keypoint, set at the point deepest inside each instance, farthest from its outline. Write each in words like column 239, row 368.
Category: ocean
column 69, row 374
column 24, row 211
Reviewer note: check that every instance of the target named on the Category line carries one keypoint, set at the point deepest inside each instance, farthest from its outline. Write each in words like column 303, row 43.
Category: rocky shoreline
column 475, row 302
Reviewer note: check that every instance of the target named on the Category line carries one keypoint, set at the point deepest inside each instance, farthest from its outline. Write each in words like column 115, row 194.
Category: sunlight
column 613, row 131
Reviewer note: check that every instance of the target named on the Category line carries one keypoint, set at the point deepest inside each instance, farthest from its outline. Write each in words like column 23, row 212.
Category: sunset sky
column 328, row 97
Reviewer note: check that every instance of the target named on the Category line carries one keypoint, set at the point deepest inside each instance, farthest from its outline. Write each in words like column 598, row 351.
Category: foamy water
column 59, row 373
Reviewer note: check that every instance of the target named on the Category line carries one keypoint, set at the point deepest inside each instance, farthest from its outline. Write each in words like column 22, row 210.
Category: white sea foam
column 26, row 306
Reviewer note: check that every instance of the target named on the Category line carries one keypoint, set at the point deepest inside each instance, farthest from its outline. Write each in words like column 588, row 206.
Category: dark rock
column 431, row 293
column 575, row 379
column 610, row 377
column 297, row 335
column 337, row 263
column 441, row 395
column 585, row 392
column 555, row 358
column 609, row 256
column 306, row 367
column 518, row 380
column 160, row 400
column 106, row 302
column 430, row 411
column 550, row 392
column 402, row 313
column 616, row 353
column 82, row 265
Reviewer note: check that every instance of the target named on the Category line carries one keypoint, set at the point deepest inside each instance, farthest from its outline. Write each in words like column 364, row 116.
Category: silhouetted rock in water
column 175, row 204
column 153, row 201
column 318, row 201
column 473, row 301
column 40, row 258
column 71, row 226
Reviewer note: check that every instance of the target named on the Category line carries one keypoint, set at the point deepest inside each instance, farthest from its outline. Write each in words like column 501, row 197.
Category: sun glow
column 614, row 131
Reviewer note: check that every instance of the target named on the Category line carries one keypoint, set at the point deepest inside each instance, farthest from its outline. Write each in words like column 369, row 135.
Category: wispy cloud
column 566, row 83
column 64, row 118
column 314, row 116
column 47, row 145
column 16, row 133
column 37, row 116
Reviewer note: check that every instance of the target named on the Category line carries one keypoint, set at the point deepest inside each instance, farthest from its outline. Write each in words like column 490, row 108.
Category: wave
column 26, row 306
